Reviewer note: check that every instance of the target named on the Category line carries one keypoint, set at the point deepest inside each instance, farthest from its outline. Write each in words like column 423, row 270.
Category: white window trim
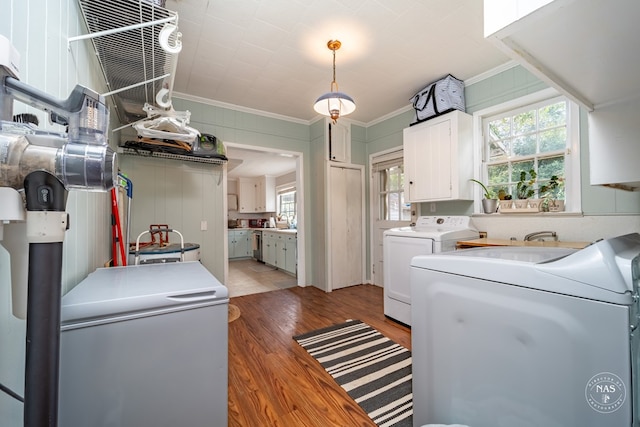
column 572, row 167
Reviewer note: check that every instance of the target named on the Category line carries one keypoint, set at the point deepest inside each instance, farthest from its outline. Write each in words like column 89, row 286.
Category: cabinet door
column 243, row 243
column 291, row 258
column 247, row 195
column 266, row 194
column 438, row 159
column 268, row 248
column 231, row 244
column 427, row 161
column 339, row 142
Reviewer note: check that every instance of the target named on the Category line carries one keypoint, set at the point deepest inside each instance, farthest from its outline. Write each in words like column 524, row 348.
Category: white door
column 387, row 205
column 346, row 260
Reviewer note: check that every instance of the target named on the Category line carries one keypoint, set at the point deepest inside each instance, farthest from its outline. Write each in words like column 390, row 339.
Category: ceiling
column 272, row 55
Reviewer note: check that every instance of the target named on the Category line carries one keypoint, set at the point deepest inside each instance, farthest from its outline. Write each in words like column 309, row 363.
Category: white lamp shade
column 334, row 101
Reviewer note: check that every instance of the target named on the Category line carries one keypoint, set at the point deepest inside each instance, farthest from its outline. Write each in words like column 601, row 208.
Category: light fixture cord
column 334, row 83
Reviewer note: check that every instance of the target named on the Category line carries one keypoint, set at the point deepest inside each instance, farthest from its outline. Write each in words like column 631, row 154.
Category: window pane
column 524, row 145
column 391, row 196
column 524, row 123
column 519, row 167
column 394, row 178
column 500, row 129
column 498, row 174
column 553, row 115
column 553, row 139
column 394, row 206
column 550, row 166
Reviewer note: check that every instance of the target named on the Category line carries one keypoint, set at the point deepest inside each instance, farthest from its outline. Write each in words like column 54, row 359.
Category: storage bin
column 439, row 97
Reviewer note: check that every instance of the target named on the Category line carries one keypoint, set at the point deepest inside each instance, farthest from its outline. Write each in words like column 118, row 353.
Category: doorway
column 245, row 273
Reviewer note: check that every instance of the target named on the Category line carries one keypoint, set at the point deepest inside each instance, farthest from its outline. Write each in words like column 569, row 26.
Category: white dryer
column 528, row 336
column 430, row 234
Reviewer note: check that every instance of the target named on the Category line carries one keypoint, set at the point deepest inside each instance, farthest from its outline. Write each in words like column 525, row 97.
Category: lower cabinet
column 239, row 244
column 280, row 250
column 269, row 241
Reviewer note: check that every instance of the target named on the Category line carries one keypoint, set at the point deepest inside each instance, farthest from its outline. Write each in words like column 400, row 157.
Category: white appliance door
column 488, row 354
column 398, row 252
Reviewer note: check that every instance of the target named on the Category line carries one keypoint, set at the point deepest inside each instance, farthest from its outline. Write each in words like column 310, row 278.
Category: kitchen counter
column 464, row 244
column 282, row 230
column 273, row 230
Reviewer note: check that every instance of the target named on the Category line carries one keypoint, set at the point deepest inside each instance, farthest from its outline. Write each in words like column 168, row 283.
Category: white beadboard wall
column 39, row 29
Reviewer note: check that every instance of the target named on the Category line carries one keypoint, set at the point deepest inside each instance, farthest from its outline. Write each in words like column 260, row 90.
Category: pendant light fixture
column 335, row 103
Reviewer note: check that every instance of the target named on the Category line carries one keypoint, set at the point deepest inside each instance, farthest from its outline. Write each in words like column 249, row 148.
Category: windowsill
column 530, row 214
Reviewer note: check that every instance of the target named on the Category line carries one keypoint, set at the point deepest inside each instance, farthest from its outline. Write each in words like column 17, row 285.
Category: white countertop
column 281, row 230
column 273, row 230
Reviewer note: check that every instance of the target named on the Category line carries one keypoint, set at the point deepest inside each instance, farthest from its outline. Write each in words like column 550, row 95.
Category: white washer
column 527, row 336
column 431, row 234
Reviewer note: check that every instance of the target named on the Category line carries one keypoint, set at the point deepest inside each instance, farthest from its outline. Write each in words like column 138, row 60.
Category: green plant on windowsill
column 525, row 187
column 552, row 194
column 490, row 201
column 488, row 194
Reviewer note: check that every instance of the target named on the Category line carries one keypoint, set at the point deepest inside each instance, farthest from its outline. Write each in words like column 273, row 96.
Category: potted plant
column 505, row 201
column 552, row 195
column 525, row 189
column 490, row 201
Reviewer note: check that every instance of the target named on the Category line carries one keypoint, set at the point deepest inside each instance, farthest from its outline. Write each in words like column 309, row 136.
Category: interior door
column 387, row 206
column 346, row 226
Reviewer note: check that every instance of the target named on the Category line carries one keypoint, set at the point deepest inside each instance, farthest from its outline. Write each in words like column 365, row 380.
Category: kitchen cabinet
column 257, row 194
column 279, row 249
column 286, row 253
column 269, row 241
column 239, row 244
column 266, row 194
column 247, row 195
column 438, row 159
column 339, row 141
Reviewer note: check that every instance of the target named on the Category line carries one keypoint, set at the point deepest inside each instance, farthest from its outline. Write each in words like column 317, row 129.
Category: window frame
column 573, row 202
column 385, row 162
column 285, row 189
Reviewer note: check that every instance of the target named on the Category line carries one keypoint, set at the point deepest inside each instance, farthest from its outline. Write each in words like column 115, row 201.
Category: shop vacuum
column 37, row 168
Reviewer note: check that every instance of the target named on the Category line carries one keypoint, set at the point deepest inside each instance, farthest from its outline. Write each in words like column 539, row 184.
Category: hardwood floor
column 272, row 380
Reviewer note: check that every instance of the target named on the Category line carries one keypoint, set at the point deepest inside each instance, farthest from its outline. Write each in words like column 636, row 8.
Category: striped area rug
column 374, row 371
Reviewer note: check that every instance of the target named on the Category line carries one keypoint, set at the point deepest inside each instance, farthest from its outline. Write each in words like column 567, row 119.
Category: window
column 287, row 203
column 538, row 136
column 391, row 185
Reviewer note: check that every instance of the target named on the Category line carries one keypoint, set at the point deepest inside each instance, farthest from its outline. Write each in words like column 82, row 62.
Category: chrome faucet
column 539, row 234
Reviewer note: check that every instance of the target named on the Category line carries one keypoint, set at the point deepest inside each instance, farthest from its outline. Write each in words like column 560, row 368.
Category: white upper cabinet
column 438, row 159
column 257, row 194
column 339, row 141
column 266, row 194
column 247, row 195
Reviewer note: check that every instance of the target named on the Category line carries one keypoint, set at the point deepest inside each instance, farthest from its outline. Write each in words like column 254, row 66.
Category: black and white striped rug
column 374, row 371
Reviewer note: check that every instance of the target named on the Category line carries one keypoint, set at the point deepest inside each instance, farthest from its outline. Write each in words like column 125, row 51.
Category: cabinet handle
column 410, row 182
